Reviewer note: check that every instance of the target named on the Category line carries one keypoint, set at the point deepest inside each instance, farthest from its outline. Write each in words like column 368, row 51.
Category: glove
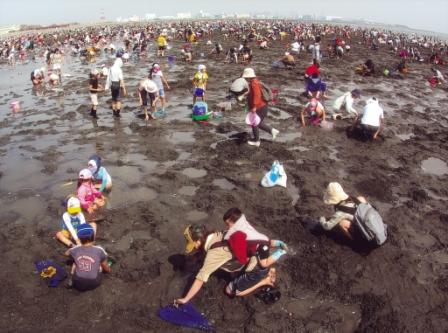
column 281, row 244
column 277, row 254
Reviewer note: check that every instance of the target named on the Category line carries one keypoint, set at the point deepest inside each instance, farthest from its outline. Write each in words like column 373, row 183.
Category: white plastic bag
column 275, row 176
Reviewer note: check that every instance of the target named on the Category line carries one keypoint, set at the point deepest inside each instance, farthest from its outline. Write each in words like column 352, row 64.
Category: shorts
column 368, row 131
column 199, row 92
column 247, row 280
column 115, row 90
column 86, row 284
column 162, row 47
column 94, row 98
column 162, row 92
column 144, row 96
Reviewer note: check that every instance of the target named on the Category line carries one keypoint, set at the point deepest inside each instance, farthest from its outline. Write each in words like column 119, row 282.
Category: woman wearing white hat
column 257, row 105
column 335, row 195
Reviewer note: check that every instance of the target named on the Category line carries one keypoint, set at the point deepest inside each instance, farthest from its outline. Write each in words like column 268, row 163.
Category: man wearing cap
column 257, row 105
column 343, row 105
column 89, row 261
column 148, row 87
column 335, row 195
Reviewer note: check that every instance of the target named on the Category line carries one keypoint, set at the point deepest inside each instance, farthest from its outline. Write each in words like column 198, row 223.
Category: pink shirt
column 87, row 194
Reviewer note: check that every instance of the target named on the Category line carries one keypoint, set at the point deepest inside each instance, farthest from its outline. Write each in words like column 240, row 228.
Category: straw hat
column 334, row 194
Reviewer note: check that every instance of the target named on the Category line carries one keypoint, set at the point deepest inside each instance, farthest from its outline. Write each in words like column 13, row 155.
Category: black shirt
column 94, row 84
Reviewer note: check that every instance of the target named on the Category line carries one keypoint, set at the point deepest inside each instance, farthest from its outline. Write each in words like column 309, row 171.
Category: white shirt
column 345, row 100
column 239, row 85
column 148, row 85
column 115, row 73
column 372, row 114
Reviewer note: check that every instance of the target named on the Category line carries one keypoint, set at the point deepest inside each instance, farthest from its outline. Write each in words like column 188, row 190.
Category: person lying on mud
column 335, row 195
column 148, row 87
column 91, row 199
column 343, row 105
column 100, row 176
column 71, row 221
column 257, row 105
column 366, row 69
column 372, row 119
column 314, row 111
column 219, row 256
column 89, row 261
column 38, row 76
column 245, row 242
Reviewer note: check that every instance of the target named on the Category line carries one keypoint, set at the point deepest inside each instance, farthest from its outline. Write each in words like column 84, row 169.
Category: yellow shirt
column 200, row 79
column 161, row 41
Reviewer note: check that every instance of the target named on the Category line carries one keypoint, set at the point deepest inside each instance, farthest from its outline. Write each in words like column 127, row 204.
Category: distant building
column 150, row 16
column 333, row 18
column 242, row 16
column 134, row 18
column 12, row 28
column 183, row 16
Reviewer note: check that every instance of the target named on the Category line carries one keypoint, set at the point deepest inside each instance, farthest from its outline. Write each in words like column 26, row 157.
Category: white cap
column 201, row 67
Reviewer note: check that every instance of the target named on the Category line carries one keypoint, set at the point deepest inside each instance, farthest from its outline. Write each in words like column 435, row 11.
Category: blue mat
column 185, row 315
column 58, row 276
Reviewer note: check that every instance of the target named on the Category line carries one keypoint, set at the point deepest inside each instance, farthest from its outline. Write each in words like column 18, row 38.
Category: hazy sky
column 427, row 15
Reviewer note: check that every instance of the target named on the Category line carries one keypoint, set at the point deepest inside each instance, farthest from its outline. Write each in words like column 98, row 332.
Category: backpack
column 266, row 93
column 368, row 221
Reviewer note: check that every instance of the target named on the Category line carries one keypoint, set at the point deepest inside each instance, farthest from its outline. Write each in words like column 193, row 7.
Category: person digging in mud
column 366, row 69
column 257, row 105
column 94, row 88
column 71, row 221
column 116, row 82
column 148, row 87
column 371, row 121
column 343, row 105
column 38, row 76
column 217, row 255
column 239, row 89
column 100, row 176
column 437, row 78
column 314, row 111
column 91, row 199
column 89, row 261
column 245, row 242
column 288, row 61
column 315, row 87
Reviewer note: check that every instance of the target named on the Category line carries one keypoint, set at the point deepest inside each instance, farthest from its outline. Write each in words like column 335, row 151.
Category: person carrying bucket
column 258, row 106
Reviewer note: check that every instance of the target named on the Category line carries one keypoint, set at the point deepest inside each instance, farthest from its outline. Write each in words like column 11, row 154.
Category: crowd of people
column 240, row 249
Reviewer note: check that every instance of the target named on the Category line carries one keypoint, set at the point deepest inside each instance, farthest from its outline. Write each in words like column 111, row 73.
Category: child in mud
column 99, row 174
column 314, row 111
column 218, row 256
column 366, row 69
column 89, row 261
column 335, row 195
column 315, row 87
column 343, row 105
column 200, row 83
column 148, row 87
column 91, row 199
column 94, row 88
column 245, row 241
column 157, row 76
column 71, row 221
column 38, row 76
column 162, row 44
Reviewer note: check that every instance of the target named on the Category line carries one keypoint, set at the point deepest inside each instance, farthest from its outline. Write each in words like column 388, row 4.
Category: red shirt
column 313, row 69
column 255, row 95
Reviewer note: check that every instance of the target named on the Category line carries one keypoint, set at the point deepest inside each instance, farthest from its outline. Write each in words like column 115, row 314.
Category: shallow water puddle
column 188, row 190
column 181, row 137
column 194, row 173
column 434, row 166
column 122, row 196
column 286, row 137
column 196, row 215
column 224, row 184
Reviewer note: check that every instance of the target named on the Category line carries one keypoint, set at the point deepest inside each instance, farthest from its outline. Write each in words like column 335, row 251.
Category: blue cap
column 85, row 230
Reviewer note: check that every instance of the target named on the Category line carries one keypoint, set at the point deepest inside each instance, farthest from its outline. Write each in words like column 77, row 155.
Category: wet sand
column 171, row 172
